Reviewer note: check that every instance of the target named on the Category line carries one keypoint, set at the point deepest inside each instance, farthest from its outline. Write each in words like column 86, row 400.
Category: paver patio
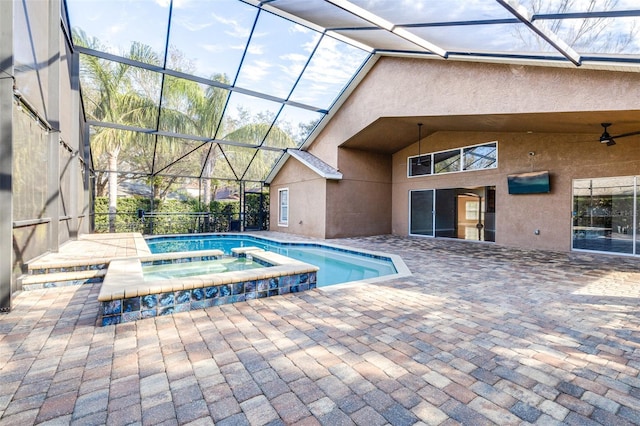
column 480, row 334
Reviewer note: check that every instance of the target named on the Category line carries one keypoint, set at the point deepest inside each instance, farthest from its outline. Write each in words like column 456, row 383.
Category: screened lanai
column 202, row 99
column 192, row 106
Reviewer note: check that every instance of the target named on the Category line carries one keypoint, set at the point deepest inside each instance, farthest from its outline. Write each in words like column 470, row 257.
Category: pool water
column 336, row 265
column 189, row 269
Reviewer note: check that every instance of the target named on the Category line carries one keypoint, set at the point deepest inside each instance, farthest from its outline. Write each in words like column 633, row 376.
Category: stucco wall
column 360, row 203
column 398, row 87
column 566, row 157
column 307, row 200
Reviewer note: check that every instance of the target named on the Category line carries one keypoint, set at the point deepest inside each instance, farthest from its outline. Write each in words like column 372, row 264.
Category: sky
column 212, row 37
column 287, row 60
column 262, row 52
column 209, row 38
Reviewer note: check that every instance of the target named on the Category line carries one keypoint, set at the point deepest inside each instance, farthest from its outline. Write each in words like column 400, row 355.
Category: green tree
column 124, row 94
column 203, row 107
column 112, row 98
column 585, row 34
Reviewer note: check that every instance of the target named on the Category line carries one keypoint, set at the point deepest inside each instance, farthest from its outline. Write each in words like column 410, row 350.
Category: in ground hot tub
column 126, row 296
column 168, row 271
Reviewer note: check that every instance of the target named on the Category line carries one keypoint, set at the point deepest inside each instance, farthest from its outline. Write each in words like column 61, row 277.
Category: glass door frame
column 635, row 226
column 485, row 199
column 433, row 213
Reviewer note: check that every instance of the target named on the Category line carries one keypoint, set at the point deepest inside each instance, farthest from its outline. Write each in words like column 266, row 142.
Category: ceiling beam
column 526, row 17
column 380, row 22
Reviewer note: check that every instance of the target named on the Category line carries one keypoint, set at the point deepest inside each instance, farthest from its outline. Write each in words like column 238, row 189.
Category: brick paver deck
column 478, row 335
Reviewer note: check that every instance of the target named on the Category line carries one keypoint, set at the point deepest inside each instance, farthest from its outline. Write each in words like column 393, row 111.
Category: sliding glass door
column 464, row 213
column 446, row 213
column 421, row 212
column 604, row 214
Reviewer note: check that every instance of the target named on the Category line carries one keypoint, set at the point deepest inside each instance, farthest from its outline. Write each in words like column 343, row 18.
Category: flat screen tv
column 529, row 183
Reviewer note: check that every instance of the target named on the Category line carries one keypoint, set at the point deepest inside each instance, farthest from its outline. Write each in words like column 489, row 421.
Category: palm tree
column 123, row 94
column 112, row 98
column 203, row 106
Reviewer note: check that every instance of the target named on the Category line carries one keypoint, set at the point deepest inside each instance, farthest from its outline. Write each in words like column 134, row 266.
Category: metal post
column 76, row 143
column 242, row 206
column 89, row 178
column 6, row 153
column 53, row 117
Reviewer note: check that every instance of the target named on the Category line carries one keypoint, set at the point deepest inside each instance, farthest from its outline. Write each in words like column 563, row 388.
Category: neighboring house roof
column 309, row 160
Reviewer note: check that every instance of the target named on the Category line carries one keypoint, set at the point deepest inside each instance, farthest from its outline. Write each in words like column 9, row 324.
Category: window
column 283, row 203
column 476, row 157
column 471, row 210
column 419, row 166
column 446, row 162
column 480, row 157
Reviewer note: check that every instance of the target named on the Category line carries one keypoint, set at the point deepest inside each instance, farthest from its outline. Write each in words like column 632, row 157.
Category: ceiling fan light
column 606, row 137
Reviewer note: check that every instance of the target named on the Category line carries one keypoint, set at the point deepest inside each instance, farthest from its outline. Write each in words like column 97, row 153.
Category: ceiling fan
column 606, row 138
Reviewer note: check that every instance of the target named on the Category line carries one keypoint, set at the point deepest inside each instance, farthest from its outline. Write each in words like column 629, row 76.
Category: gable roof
column 315, row 164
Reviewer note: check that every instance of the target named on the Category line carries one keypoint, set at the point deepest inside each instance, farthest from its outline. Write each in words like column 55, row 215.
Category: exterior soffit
column 387, row 135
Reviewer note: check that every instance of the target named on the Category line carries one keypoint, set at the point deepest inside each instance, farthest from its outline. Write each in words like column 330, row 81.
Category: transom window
column 474, row 157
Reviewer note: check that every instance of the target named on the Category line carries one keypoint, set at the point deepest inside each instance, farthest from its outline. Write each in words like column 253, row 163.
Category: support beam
column 53, row 117
column 77, row 144
column 550, row 37
column 89, row 180
column 6, row 154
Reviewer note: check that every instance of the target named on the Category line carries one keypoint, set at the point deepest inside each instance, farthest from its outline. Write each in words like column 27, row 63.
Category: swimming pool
column 337, row 265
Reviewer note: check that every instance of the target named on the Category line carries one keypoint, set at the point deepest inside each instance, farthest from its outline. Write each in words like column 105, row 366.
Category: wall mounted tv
column 529, row 183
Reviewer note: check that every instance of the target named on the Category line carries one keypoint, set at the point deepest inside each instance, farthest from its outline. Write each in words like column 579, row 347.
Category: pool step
column 80, row 265
column 63, row 273
column 61, row 279
column 92, row 270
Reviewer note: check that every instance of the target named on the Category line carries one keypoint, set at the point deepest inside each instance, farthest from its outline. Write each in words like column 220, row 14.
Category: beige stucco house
column 520, row 118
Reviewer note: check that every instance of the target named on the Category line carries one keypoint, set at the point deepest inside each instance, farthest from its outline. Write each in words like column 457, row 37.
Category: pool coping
column 124, row 277
column 125, row 296
column 402, row 271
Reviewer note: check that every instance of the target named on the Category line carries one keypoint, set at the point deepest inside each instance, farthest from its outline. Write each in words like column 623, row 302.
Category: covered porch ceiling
column 387, row 135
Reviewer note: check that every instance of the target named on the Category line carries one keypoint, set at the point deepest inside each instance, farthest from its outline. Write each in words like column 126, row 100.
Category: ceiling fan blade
column 626, row 134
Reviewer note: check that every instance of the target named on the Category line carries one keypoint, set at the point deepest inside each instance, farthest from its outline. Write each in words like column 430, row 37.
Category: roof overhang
column 309, row 160
column 387, row 135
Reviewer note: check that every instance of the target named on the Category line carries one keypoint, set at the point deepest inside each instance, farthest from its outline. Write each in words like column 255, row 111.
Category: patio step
column 61, row 279
column 63, row 273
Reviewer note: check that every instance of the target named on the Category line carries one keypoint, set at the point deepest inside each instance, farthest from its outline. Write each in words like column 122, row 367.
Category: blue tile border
column 140, row 307
column 76, row 268
column 194, row 258
column 250, row 238
column 65, row 283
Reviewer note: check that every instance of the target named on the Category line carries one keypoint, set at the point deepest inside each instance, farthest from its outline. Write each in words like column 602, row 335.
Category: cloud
column 237, row 47
column 255, row 49
column 192, row 26
column 177, row 4
column 237, row 29
column 299, row 29
column 292, row 64
column 256, row 70
column 332, row 66
column 115, row 29
column 212, row 48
